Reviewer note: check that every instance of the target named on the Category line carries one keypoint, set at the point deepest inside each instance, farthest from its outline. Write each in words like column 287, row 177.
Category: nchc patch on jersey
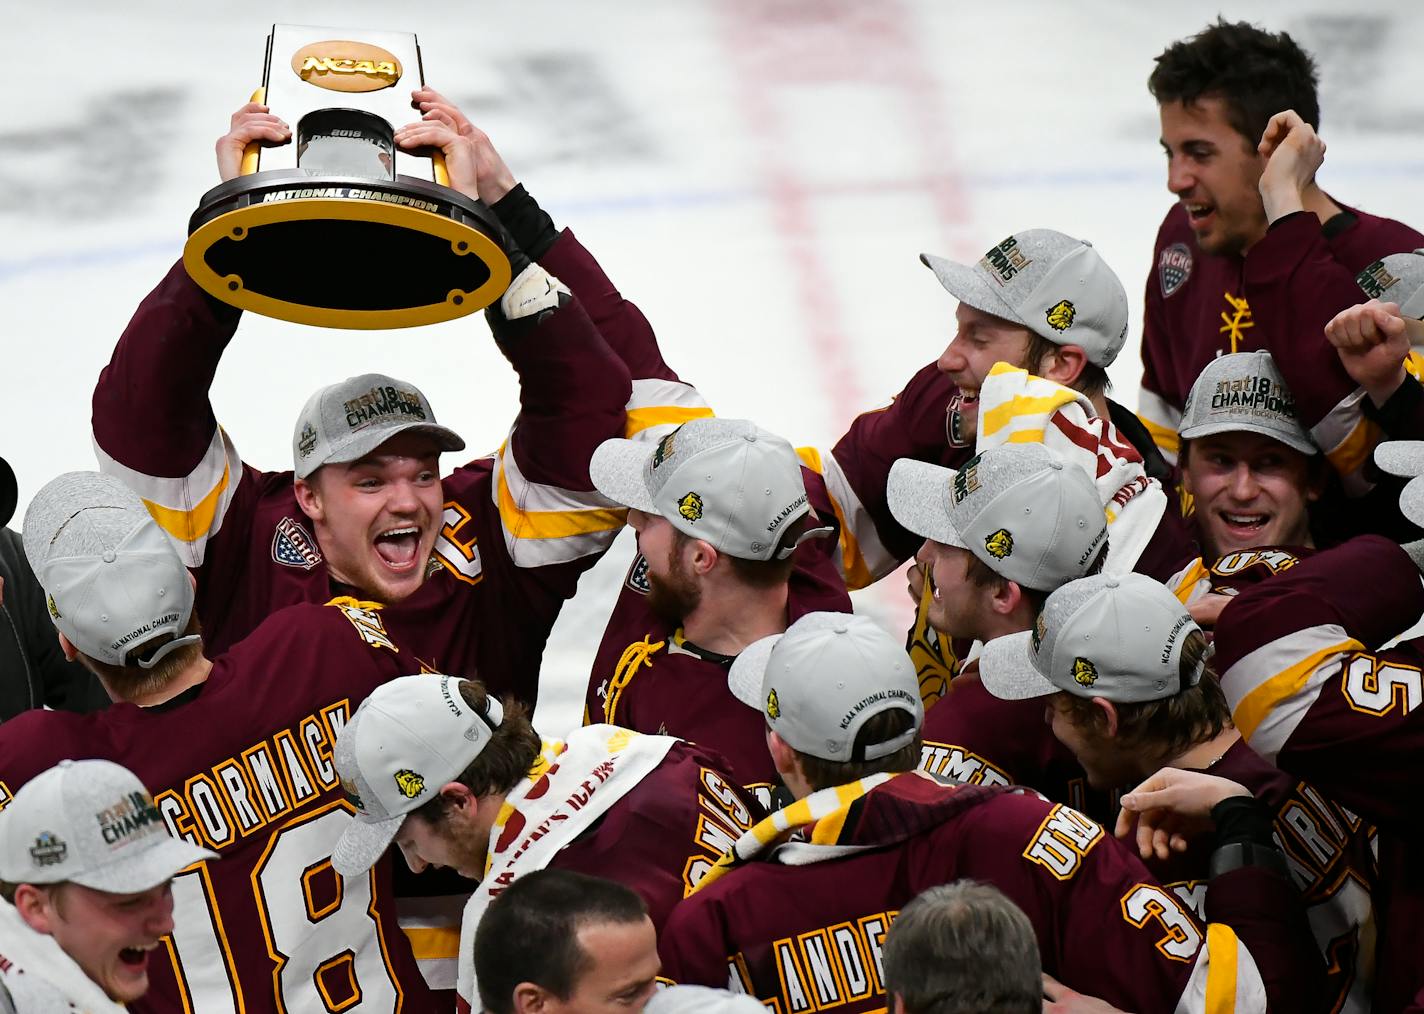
column 293, row 547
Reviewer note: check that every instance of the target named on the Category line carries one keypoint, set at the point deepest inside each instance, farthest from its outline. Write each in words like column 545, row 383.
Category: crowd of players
column 1146, row 747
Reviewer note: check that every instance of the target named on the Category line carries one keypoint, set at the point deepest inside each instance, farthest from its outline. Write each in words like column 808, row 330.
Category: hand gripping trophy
column 325, row 230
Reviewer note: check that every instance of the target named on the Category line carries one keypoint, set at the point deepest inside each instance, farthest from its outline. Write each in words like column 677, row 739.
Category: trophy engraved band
column 324, row 230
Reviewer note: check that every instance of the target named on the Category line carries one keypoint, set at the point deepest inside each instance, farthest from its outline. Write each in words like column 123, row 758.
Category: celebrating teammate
column 795, row 912
column 1253, row 252
column 1001, row 533
column 86, row 872
column 457, row 778
column 1130, row 690
column 491, row 551
column 237, row 749
column 720, row 507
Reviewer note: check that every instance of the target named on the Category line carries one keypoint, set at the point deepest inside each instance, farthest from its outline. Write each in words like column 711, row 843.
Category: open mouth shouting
column 962, row 418
column 398, row 547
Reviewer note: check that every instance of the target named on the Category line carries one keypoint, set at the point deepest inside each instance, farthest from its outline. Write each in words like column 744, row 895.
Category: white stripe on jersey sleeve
column 1271, row 689
column 190, row 509
column 657, row 407
column 545, row 524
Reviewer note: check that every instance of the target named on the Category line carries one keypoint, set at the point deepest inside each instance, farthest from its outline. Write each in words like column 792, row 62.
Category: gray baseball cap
column 1117, row 637
column 1018, row 508
column 112, row 578
column 1244, row 392
column 1398, row 278
column 1058, row 287
column 346, row 421
column 726, row 481
column 823, row 679
column 1406, row 458
column 409, row 738
column 90, row 822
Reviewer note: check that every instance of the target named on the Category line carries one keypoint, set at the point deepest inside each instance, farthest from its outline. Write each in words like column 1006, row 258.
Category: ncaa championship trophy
column 323, row 230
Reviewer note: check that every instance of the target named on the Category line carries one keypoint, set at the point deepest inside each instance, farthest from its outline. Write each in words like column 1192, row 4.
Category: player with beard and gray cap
column 720, row 507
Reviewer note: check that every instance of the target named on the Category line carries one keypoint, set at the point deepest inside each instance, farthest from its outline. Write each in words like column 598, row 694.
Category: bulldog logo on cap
column 1060, row 316
column 1085, row 674
column 409, row 783
column 773, row 706
column 1000, row 544
column 690, row 507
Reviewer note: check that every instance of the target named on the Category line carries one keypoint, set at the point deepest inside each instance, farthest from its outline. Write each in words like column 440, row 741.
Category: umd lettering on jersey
column 827, row 967
column 270, row 780
column 951, row 761
column 1062, row 840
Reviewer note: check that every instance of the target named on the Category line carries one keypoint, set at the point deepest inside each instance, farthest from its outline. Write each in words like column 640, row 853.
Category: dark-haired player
column 1251, row 233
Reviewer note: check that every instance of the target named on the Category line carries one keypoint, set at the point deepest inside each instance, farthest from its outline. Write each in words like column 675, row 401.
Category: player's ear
column 458, row 795
column 71, row 653
column 782, row 756
column 532, row 999
column 309, row 497
column 1109, row 711
column 1064, row 365
column 36, row 907
column 1005, row 597
column 703, row 556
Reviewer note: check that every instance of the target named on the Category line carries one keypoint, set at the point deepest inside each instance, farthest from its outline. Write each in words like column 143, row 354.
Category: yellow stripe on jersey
column 523, row 524
column 1221, row 945
column 195, row 523
column 433, row 942
column 1163, row 436
column 1256, row 705
column 1024, row 405
column 1351, row 453
column 1414, row 365
column 640, row 419
column 854, row 568
column 1195, row 572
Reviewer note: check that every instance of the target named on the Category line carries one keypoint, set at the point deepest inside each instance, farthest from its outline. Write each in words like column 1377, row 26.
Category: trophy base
column 346, row 252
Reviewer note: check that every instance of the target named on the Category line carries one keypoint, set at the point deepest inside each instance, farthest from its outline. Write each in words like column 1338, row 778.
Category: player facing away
column 86, row 871
column 1252, row 246
column 459, row 779
column 722, row 509
column 796, row 912
column 494, row 547
column 237, row 750
column 1129, row 687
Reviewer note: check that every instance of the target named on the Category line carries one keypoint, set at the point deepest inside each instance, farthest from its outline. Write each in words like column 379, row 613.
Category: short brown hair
column 1169, row 726
column 134, row 681
column 822, row 774
column 760, row 573
column 1091, row 382
column 506, row 759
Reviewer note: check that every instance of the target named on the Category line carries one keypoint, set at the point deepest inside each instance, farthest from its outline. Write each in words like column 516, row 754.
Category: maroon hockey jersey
column 1332, row 865
column 801, row 925
column 1201, row 305
column 241, row 764
column 648, row 678
column 1312, row 689
column 516, row 535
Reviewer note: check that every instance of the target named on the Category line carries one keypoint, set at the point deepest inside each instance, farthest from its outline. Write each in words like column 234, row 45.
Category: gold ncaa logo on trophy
column 338, row 228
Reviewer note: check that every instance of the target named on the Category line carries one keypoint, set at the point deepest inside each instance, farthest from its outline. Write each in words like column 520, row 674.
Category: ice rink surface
column 759, row 175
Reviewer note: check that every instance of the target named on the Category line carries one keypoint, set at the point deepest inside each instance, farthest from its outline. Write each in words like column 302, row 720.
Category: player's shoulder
column 1175, row 228
column 1374, row 236
column 36, row 740
column 469, row 484
column 333, row 632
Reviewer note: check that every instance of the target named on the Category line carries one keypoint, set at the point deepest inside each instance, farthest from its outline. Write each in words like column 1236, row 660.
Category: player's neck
column 190, row 677
column 1204, row 754
column 727, row 620
column 1100, row 404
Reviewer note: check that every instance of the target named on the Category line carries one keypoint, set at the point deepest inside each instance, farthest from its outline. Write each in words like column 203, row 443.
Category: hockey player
column 237, row 749
column 457, row 778
column 1126, row 709
column 497, row 545
column 1001, row 533
column 1254, row 250
column 720, row 507
column 1314, row 689
column 796, row 912
column 86, row 872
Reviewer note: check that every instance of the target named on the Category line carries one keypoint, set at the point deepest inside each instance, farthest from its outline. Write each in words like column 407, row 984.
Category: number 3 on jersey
column 327, row 952
column 455, row 545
